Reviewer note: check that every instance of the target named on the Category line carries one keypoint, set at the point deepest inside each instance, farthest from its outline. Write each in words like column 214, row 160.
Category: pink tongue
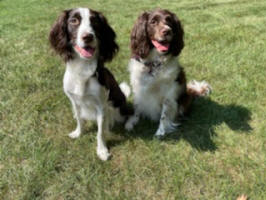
column 159, row 46
column 85, row 53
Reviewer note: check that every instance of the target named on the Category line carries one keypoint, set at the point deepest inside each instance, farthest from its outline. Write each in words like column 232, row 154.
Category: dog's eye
column 74, row 21
column 153, row 21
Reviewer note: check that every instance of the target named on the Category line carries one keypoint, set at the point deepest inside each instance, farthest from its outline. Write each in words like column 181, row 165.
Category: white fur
column 125, row 88
column 155, row 95
column 201, row 87
column 89, row 99
column 85, row 27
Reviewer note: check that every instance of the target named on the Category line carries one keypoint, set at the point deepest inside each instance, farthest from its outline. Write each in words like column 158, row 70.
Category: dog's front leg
column 76, row 109
column 102, row 150
column 168, row 114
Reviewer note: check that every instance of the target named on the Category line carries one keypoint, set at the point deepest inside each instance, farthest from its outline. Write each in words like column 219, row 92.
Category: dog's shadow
column 199, row 127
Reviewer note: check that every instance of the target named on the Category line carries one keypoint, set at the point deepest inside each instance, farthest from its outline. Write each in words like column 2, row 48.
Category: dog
column 159, row 84
column 85, row 41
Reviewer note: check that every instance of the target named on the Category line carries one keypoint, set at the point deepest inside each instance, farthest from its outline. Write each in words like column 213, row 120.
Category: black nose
column 87, row 37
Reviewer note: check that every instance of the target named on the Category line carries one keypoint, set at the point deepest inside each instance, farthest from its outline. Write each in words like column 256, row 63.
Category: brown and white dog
column 85, row 41
column 160, row 90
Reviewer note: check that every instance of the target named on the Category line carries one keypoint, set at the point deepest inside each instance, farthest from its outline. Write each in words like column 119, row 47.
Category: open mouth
column 86, row 52
column 162, row 46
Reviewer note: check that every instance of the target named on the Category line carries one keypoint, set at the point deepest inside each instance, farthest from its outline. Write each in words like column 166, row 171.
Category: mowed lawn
column 218, row 153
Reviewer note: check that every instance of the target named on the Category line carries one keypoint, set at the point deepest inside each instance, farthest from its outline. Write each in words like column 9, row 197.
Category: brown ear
column 177, row 43
column 59, row 38
column 140, row 43
column 106, row 36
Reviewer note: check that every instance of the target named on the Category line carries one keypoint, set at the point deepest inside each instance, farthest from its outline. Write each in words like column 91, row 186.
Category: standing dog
column 85, row 41
column 158, row 81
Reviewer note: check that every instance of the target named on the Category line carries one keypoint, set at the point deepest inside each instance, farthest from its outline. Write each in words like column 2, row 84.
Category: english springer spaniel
column 85, row 41
column 160, row 90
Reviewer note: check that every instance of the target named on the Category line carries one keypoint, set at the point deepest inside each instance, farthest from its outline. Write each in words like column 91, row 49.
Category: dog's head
column 85, row 33
column 159, row 29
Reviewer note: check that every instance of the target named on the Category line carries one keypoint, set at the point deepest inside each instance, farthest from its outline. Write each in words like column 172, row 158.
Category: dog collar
column 152, row 66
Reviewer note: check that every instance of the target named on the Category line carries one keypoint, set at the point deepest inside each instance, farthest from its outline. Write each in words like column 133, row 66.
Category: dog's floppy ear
column 140, row 43
column 177, row 43
column 106, row 36
column 59, row 38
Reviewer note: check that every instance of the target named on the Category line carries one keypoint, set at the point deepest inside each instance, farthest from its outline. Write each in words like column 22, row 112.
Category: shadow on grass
column 199, row 127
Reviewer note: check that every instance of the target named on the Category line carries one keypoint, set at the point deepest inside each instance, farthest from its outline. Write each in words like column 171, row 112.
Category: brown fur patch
column 116, row 96
column 184, row 101
column 59, row 37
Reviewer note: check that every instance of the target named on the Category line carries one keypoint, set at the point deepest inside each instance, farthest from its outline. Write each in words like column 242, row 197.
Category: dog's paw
column 171, row 127
column 74, row 134
column 160, row 133
column 165, row 128
column 131, row 122
column 103, row 154
column 129, row 126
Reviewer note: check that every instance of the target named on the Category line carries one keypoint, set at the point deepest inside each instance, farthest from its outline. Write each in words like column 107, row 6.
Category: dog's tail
column 194, row 89
column 125, row 89
column 198, row 88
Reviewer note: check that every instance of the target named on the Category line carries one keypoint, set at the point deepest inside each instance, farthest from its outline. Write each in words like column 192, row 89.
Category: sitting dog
column 85, row 41
column 160, row 90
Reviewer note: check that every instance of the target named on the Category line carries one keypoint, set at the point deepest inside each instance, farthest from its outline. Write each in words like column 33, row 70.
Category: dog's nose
column 87, row 37
column 166, row 31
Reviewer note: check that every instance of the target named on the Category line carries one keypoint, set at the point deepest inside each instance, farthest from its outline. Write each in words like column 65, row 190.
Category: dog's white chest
column 82, row 87
column 88, row 95
column 151, row 90
column 77, row 76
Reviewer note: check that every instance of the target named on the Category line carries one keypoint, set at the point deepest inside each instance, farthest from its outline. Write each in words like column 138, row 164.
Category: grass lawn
column 219, row 153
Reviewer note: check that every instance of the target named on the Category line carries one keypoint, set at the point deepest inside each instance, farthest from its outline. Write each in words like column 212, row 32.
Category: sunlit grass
column 218, row 153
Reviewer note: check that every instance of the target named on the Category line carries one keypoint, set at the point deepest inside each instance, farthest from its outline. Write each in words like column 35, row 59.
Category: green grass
column 219, row 153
